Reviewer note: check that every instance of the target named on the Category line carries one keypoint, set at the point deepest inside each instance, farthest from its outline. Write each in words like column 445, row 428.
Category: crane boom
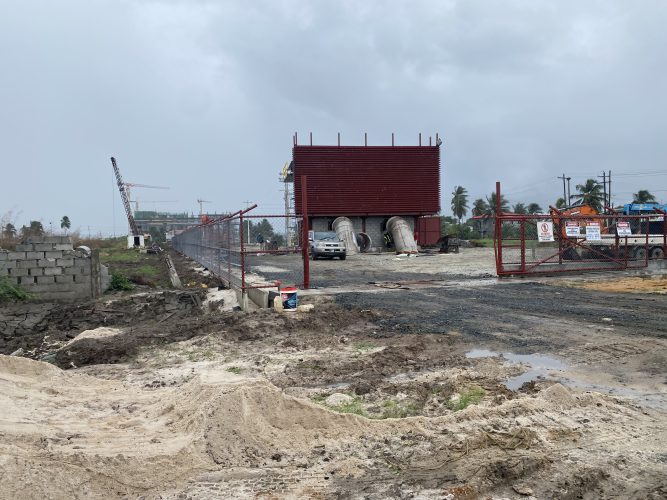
column 126, row 202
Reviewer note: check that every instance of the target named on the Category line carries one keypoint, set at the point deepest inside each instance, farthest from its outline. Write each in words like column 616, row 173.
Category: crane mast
column 126, row 202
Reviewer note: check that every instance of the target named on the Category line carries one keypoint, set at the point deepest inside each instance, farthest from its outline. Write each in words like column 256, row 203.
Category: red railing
column 561, row 243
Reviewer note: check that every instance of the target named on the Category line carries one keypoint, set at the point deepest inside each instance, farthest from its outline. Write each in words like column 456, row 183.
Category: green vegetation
column 147, row 271
column 10, row 291
column 119, row 282
column 470, row 396
column 364, row 346
column 459, row 202
column 234, row 369
column 393, row 409
column 484, row 242
column 120, row 256
column 353, row 406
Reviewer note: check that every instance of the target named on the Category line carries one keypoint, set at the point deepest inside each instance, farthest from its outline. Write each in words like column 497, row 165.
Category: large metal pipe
column 404, row 241
column 345, row 231
column 364, row 241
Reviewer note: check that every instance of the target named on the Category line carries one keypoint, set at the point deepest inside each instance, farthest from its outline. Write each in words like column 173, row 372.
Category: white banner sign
column 593, row 231
column 545, row 231
column 571, row 229
column 623, row 228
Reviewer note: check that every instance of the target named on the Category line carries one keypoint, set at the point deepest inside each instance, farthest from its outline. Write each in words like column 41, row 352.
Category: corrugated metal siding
column 427, row 230
column 368, row 180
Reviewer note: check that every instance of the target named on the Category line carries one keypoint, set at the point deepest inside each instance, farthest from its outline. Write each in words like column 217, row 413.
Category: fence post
column 244, row 292
column 497, row 229
column 523, row 244
column 304, row 232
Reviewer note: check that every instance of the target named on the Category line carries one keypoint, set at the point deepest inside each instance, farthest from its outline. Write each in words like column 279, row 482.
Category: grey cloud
column 204, row 96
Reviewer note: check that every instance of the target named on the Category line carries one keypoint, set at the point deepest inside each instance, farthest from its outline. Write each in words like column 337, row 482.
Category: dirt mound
column 36, row 328
column 93, row 438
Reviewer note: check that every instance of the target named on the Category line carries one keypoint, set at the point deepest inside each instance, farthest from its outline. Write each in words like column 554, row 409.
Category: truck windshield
column 329, row 235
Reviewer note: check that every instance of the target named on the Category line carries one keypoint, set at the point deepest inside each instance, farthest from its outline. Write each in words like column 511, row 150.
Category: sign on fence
column 593, row 231
column 623, row 228
column 545, row 231
column 571, row 229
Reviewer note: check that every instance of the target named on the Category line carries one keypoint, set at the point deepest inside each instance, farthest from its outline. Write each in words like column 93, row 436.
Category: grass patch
column 353, row 406
column 485, row 243
column 121, row 256
column 471, row 396
column 10, row 291
column 147, row 271
column 319, row 398
column 204, row 355
column 234, row 369
column 119, row 282
column 394, row 409
column 364, row 346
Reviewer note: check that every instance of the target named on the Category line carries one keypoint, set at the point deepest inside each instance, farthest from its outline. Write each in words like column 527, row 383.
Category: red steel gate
column 557, row 243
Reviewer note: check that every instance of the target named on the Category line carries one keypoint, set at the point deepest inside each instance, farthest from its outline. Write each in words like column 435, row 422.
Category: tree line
column 589, row 193
column 35, row 228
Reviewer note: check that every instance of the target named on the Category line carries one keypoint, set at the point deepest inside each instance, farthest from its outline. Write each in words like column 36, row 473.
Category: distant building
column 167, row 222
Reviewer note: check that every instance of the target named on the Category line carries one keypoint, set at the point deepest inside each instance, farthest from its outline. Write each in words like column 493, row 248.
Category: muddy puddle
column 541, row 367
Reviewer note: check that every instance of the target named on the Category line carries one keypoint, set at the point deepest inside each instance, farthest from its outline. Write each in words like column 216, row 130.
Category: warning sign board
column 593, row 231
column 571, row 229
column 545, row 231
column 623, row 228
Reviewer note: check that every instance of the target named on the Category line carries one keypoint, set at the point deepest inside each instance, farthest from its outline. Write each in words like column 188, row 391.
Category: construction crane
column 201, row 202
column 136, row 202
column 122, row 187
column 130, row 185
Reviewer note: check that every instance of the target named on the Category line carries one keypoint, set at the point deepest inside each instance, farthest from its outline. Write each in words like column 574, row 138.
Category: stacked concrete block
column 50, row 269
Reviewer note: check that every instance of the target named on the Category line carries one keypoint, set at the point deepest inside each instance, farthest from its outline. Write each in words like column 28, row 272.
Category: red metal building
column 368, row 180
column 370, row 183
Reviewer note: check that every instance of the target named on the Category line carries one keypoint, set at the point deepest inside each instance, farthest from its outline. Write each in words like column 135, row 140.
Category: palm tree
column 9, row 231
column 643, row 196
column 560, row 203
column 65, row 223
column 534, row 208
column 590, row 194
column 480, row 207
column 520, row 209
column 491, row 200
column 459, row 202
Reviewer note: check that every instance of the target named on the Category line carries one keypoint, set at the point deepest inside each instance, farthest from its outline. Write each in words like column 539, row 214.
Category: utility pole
column 604, row 187
column 569, row 197
column 564, row 192
column 609, row 191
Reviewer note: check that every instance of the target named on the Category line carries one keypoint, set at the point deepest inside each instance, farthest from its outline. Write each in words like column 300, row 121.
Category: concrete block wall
column 373, row 227
column 50, row 269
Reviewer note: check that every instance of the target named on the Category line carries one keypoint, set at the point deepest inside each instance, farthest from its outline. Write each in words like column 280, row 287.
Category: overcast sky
column 204, row 96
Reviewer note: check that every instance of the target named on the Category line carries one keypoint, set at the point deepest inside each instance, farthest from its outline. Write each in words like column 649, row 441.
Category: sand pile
column 66, row 435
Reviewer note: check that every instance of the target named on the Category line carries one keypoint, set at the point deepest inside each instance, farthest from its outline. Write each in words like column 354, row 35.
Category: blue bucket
column 289, row 298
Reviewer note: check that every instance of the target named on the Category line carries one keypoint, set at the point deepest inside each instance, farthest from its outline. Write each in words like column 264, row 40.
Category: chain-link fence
column 544, row 244
column 249, row 251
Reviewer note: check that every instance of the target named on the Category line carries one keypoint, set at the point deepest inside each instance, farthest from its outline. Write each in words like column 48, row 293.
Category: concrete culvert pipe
column 404, row 241
column 364, row 242
column 345, row 231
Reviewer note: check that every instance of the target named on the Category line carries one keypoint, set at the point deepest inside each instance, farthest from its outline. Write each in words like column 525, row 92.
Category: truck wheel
column 639, row 253
column 342, row 257
column 657, row 253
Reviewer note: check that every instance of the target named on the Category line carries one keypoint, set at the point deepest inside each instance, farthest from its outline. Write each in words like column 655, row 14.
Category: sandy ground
column 433, row 389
